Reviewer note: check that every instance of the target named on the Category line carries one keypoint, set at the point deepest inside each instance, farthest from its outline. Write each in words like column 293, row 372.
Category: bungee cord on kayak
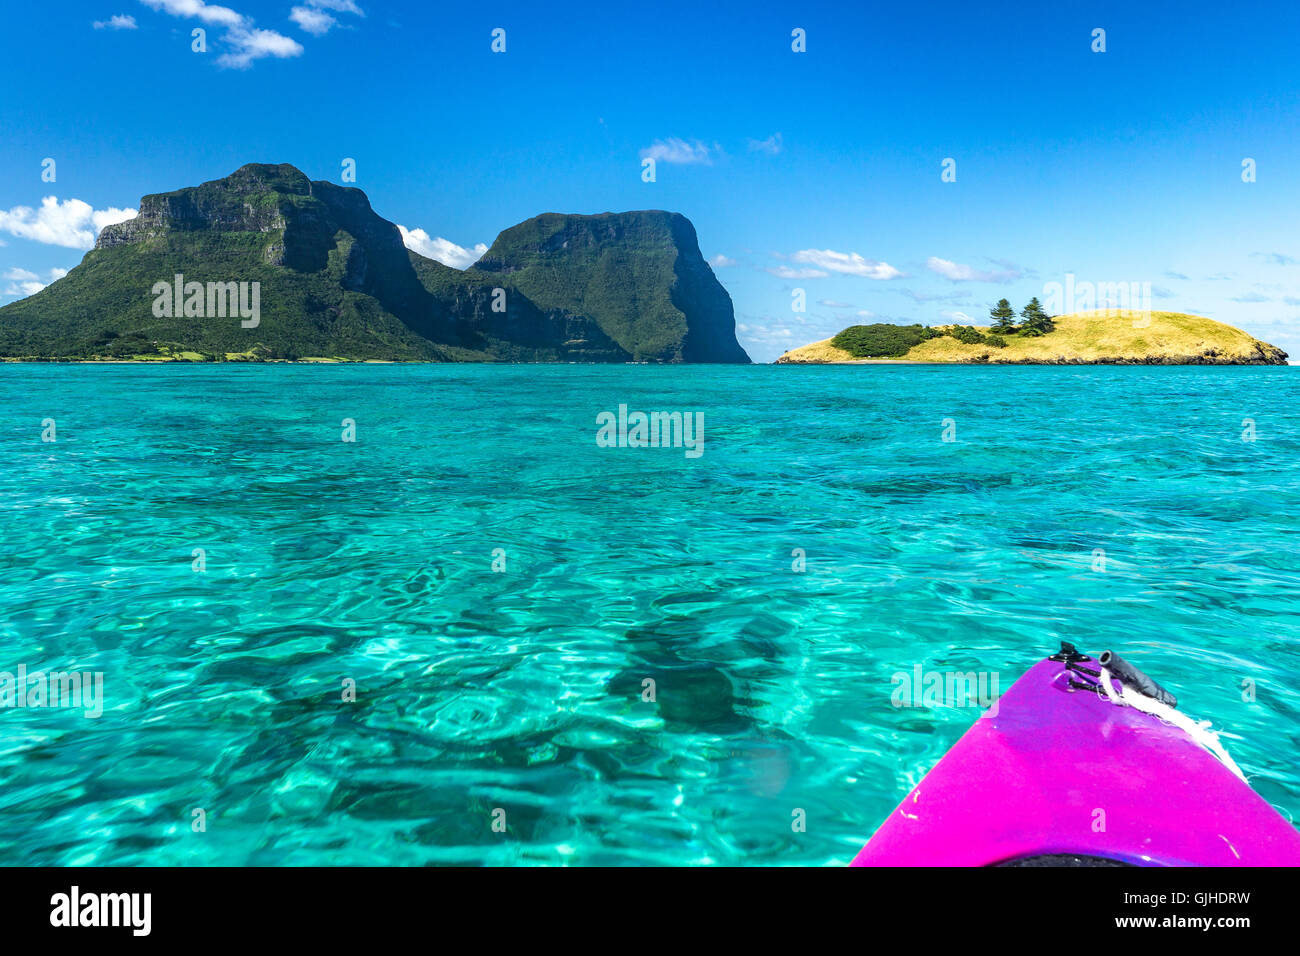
column 1198, row 730
column 1140, row 692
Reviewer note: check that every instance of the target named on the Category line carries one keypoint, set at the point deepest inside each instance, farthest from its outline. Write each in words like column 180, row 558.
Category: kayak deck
column 1049, row 770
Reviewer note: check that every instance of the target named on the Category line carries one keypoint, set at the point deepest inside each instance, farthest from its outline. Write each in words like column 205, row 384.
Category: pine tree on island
column 1003, row 316
column 1036, row 321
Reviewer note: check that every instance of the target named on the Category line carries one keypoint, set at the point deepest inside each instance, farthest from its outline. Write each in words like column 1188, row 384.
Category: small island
column 1098, row 337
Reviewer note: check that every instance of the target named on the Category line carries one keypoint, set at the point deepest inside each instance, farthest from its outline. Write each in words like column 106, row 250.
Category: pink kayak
column 1084, row 762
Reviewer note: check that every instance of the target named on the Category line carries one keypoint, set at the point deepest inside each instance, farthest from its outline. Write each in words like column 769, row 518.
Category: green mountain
column 334, row 280
column 639, row 275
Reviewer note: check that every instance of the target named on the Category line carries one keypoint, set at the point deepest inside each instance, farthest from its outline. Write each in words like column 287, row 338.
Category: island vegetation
column 882, row 340
column 1103, row 336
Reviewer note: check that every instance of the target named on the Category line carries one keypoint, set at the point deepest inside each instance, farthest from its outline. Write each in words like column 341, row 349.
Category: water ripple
column 827, row 540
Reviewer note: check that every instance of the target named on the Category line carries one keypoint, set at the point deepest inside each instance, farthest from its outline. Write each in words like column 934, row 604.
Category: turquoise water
column 522, row 689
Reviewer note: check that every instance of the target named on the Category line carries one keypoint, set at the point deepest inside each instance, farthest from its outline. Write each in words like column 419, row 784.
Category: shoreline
column 1155, row 361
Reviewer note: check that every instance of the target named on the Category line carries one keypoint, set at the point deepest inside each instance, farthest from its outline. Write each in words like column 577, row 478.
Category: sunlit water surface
column 523, row 689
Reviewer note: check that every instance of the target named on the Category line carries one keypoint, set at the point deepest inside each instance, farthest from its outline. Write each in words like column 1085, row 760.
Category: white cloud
column 674, row 150
column 956, row 272
column 955, row 316
column 772, row 145
column 117, row 22
column 313, row 21
column 254, row 44
column 921, row 298
column 443, row 250
column 197, row 9
column 110, row 217
column 23, row 283
column 768, row 329
column 338, row 6
column 1275, row 258
column 248, row 42
column 71, row 223
column 832, row 304
column 847, row 262
column 785, row 272
column 721, row 262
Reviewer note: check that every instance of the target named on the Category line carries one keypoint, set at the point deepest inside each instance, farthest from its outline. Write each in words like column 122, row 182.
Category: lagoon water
column 1109, row 506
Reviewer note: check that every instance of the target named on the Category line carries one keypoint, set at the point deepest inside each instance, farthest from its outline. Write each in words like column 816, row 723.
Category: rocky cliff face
column 638, row 276
column 337, row 281
column 507, row 324
column 252, row 199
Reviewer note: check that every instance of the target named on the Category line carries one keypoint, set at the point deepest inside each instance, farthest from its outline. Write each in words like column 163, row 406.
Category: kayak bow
column 1084, row 762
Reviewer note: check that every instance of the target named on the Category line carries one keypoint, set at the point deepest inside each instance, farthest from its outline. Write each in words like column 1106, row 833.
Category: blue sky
column 818, row 170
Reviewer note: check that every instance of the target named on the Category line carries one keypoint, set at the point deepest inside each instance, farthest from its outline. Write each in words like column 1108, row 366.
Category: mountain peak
column 642, row 275
column 275, row 177
column 336, row 281
column 257, row 197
